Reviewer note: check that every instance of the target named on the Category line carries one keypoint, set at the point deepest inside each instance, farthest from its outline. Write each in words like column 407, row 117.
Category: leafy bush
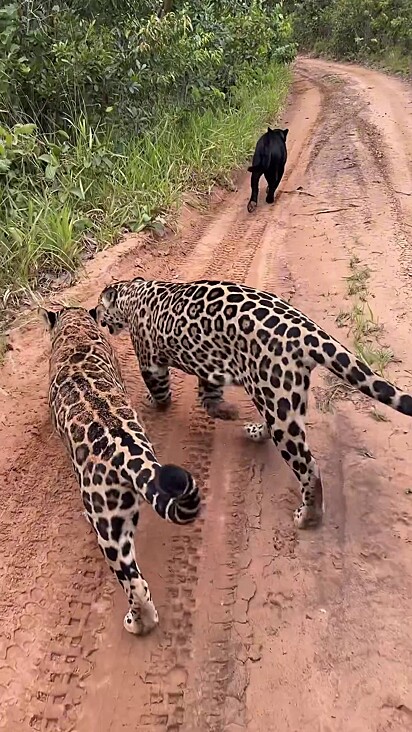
column 108, row 110
column 58, row 60
column 354, row 28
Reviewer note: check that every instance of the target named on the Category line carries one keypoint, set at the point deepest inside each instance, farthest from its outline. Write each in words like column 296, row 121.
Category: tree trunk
column 167, row 6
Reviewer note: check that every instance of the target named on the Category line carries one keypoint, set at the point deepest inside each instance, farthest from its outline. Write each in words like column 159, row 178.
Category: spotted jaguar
column 112, row 457
column 225, row 333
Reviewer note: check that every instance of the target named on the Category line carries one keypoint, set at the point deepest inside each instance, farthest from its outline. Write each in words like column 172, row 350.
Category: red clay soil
column 262, row 628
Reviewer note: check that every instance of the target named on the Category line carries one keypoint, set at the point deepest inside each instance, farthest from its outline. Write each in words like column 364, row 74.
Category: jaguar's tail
column 328, row 352
column 173, row 494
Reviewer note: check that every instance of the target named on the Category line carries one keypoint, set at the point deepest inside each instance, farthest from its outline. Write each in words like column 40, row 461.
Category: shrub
column 108, row 109
column 354, row 28
column 59, row 60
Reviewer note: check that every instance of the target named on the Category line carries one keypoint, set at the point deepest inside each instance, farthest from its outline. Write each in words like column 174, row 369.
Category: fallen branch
column 334, row 210
column 299, row 189
column 329, row 210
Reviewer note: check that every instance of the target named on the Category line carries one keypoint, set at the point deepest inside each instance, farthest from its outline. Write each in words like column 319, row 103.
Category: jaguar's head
column 111, row 311
column 70, row 320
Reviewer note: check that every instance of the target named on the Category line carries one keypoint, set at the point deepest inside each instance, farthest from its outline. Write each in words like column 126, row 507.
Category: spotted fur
column 112, row 457
column 225, row 333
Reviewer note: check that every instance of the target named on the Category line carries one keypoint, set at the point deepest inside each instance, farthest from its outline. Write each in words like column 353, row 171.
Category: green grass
column 362, row 324
column 395, row 61
column 81, row 191
column 364, row 329
column 357, row 280
column 376, row 357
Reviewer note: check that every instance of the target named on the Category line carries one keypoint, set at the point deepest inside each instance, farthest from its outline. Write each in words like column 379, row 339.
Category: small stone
column 255, row 653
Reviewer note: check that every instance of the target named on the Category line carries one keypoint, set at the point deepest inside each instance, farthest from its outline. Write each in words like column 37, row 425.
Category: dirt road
column 261, row 628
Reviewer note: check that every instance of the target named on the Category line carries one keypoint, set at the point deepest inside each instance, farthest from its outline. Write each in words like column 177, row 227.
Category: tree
column 167, row 6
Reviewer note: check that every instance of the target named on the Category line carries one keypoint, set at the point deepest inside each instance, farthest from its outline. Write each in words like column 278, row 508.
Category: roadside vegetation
column 360, row 320
column 375, row 31
column 110, row 109
column 365, row 331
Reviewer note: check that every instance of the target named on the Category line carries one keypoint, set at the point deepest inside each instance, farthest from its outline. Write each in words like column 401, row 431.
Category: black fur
column 52, row 318
column 269, row 160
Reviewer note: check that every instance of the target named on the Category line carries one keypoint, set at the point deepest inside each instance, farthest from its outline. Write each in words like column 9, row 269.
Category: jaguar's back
column 85, row 382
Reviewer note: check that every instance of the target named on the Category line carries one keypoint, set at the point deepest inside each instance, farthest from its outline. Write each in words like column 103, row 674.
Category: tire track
column 230, row 235
column 170, row 664
column 237, row 251
column 168, row 669
column 53, row 689
column 216, row 694
column 166, row 666
column 214, row 661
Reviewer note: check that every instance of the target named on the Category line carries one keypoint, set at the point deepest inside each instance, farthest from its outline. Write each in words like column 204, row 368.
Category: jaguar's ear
column 48, row 317
column 270, row 129
column 285, row 133
column 97, row 314
column 108, row 297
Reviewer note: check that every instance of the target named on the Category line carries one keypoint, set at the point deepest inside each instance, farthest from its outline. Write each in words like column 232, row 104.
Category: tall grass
column 63, row 199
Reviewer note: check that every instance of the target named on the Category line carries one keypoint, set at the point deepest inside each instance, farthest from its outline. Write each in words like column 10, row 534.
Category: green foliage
column 108, row 111
column 59, row 60
column 377, row 29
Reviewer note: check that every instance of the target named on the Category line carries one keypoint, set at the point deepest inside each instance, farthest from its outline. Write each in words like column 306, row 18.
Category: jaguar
column 225, row 333
column 269, row 159
column 112, row 457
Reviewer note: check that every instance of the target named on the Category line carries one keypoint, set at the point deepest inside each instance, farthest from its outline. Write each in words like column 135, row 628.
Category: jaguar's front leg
column 157, row 380
column 211, row 398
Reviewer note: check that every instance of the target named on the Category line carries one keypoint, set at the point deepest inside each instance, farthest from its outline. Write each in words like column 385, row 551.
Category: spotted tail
column 173, row 494
column 344, row 364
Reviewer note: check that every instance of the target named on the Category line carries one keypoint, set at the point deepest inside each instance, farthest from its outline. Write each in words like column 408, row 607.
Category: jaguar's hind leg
column 254, row 184
column 271, row 188
column 211, row 398
column 287, row 427
column 297, row 454
column 285, row 419
column 294, row 449
column 142, row 616
column 273, row 181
